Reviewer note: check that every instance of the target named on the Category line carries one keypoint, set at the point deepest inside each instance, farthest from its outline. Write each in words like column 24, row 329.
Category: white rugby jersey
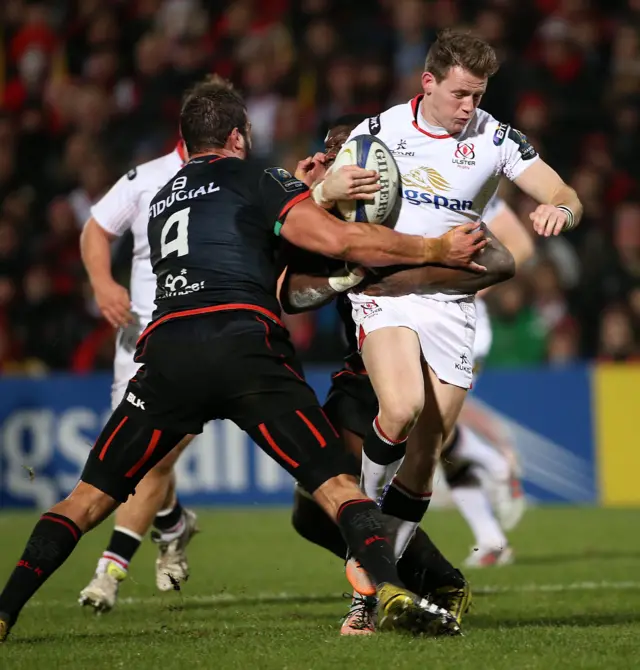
column 126, row 207
column 493, row 208
column 447, row 180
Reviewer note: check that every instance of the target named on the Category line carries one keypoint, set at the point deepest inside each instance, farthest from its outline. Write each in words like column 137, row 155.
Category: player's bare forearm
column 432, row 278
column 495, row 257
column 566, row 196
column 310, row 227
column 303, row 292
column 377, row 246
column 541, row 182
column 95, row 248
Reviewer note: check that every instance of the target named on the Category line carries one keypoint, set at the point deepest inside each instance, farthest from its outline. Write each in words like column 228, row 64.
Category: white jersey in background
column 446, row 181
column 126, row 207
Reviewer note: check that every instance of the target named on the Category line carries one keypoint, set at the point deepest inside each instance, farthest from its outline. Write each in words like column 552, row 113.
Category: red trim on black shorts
column 147, row 454
column 333, row 428
column 108, row 442
column 267, row 334
column 267, row 331
column 316, row 433
column 272, row 443
column 209, row 310
column 297, row 374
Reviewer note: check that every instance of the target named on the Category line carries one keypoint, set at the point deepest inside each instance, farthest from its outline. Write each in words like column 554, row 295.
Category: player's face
column 453, row 101
column 333, row 143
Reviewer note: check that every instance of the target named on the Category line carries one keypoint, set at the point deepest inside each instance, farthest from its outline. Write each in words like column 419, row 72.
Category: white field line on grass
column 291, row 597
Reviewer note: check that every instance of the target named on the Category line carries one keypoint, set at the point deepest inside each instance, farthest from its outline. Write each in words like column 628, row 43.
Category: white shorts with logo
column 484, row 335
column 446, row 329
column 124, row 367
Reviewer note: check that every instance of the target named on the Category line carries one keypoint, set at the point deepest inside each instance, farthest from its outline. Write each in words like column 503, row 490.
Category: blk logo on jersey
column 136, row 402
column 464, row 155
column 426, row 186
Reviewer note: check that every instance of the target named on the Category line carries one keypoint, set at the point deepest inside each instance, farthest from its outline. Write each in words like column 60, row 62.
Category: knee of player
column 87, row 506
column 401, row 414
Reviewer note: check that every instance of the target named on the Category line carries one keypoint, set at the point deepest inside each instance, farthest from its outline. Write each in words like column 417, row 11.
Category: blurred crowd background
column 89, row 88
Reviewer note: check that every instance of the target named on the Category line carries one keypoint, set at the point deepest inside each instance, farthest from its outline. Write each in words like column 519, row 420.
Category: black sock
column 423, row 568
column 51, row 543
column 166, row 522
column 363, row 528
column 398, row 501
column 382, row 449
column 313, row 524
column 123, row 546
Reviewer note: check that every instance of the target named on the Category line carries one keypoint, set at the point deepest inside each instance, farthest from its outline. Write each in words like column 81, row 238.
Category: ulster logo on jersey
column 464, row 155
column 425, row 188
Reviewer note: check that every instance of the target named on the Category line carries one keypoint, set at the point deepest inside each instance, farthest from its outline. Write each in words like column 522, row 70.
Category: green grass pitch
column 260, row 597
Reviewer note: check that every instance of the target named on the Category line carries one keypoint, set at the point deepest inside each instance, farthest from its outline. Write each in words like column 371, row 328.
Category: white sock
column 475, row 507
column 109, row 557
column 176, row 531
column 400, row 533
column 472, row 448
column 376, row 474
column 403, row 510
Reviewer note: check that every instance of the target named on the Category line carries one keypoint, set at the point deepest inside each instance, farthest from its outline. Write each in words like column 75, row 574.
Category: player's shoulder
column 260, row 168
column 245, row 175
column 487, row 126
column 386, row 123
column 157, row 170
column 253, row 168
column 501, row 133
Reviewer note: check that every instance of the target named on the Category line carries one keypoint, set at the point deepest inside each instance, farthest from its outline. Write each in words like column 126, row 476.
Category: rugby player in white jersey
column 125, row 207
column 418, row 349
column 351, row 405
column 480, row 466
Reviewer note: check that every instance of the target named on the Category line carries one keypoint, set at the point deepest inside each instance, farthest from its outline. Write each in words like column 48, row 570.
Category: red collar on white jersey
column 182, row 151
column 415, row 110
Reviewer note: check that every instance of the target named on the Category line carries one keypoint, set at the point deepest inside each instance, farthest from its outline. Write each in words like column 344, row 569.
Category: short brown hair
column 456, row 49
column 210, row 111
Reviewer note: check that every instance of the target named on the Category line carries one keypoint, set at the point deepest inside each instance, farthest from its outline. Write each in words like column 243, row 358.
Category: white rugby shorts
column 484, row 335
column 124, row 367
column 446, row 329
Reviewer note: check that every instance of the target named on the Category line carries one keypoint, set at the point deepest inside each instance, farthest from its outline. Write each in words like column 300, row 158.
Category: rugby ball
column 367, row 151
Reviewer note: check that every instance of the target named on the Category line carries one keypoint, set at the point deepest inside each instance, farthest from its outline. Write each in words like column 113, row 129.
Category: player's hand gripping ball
column 370, row 153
